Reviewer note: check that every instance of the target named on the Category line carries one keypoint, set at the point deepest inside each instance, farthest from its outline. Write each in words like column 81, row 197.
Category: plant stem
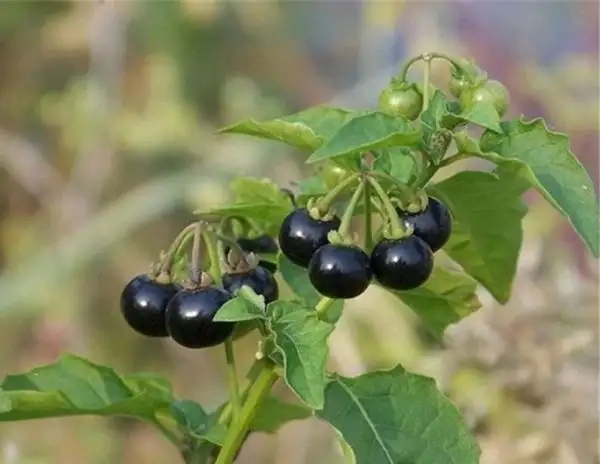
column 323, row 305
column 404, row 71
column 397, row 228
column 347, row 217
column 404, row 188
column 234, row 391
column 368, row 217
column 238, row 429
column 426, row 79
column 179, row 241
column 454, row 158
column 196, row 266
column 213, row 255
column 325, row 202
column 426, row 176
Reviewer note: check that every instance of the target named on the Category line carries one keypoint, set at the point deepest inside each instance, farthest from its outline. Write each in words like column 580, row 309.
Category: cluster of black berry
column 155, row 306
column 345, row 271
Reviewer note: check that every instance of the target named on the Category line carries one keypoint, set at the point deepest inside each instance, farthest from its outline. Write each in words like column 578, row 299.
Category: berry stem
column 406, row 194
column 210, row 242
column 196, row 266
column 325, row 202
column 426, row 78
column 368, row 215
column 349, row 213
column 402, row 76
column 167, row 263
column 234, row 390
column 323, row 305
column 397, row 228
column 238, row 429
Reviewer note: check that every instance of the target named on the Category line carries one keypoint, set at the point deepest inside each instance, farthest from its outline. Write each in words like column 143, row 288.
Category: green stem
column 238, row 429
column 213, row 256
column 404, row 71
column 368, row 217
column 445, row 57
column 397, row 228
column 349, row 213
column 323, row 305
column 404, row 189
column 234, row 390
column 180, row 240
column 167, row 432
column 325, row 202
column 426, row 176
column 454, row 158
column 196, row 266
column 426, row 79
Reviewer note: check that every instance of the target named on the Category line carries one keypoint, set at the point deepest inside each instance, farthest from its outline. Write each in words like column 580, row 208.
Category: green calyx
column 414, row 205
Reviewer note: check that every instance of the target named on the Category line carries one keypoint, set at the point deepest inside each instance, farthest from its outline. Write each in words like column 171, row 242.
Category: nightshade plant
column 373, row 165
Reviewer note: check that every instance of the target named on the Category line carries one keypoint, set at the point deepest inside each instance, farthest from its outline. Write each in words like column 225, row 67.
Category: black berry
column 260, row 280
column 143, row 305
column 300, row 236
column 434, row 225
column 190, row 318
column 402, row 264
column 340, row 271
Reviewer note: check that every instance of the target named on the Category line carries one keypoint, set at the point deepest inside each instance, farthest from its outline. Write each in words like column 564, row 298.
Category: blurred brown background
column 108, row 112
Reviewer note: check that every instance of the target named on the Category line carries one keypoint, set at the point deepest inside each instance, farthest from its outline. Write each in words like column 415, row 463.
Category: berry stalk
column 368, row 217
column 325, row 203
column 398, row 230
column 349, row 213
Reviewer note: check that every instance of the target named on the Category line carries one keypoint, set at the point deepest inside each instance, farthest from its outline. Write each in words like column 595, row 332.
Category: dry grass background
column 108, row 113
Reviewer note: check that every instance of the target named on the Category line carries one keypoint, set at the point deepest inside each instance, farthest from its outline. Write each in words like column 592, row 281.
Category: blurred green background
column 108, row 114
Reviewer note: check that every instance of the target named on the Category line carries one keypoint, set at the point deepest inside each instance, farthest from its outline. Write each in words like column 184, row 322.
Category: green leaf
column 297, row 279
column 250, row 189
column 486, row 231
column 306, row 130
column 548, row 165
column 397, row 417
column 435, row 138
column 260, row 200
column 445, row 299
column 245, row 306
column 274, row 413
column 301, row 339
column 399, row 162
column 268, row 215
column 482, row 114
column 370, row 131
column 75, row 386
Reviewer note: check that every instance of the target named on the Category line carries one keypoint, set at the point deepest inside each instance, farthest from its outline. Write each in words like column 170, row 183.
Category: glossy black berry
column 260, row 280
column 260, row 244
column 190, row 318
column 402, row 264
column 340, row 271
column 143, row 305
column 434, row 225
column 300, row 236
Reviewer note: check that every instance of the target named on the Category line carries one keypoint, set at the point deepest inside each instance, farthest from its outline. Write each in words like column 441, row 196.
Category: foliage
column 384, row 416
